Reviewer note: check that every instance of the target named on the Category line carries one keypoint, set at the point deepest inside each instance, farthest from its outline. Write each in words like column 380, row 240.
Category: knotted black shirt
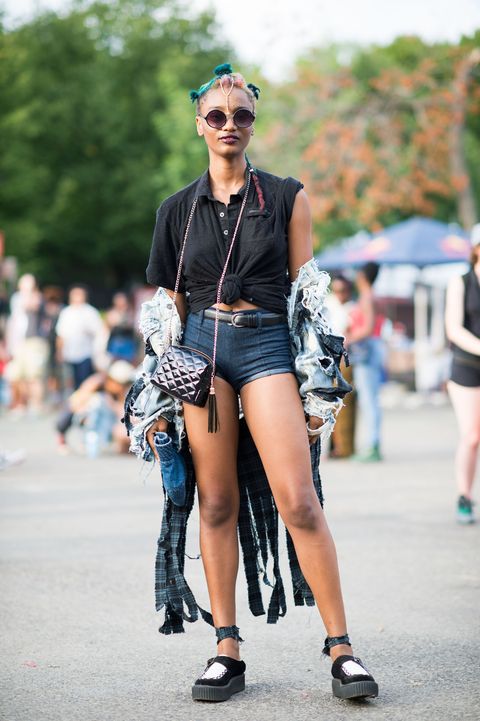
column 258, row 266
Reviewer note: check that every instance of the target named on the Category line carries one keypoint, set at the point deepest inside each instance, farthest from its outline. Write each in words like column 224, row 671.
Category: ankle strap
column 331, row 641
column 228, row 632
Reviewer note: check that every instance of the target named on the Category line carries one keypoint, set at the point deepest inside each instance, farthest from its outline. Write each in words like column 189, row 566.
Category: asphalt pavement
column 79, row 631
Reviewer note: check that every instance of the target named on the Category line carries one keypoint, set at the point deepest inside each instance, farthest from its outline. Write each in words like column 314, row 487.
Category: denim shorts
column 243, row 354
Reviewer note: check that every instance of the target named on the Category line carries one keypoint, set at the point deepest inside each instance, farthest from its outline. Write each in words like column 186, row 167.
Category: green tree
column 96, row 129
column 380, row 133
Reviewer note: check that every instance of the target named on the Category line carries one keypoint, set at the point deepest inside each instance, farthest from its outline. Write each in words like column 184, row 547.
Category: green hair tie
column 219, row 71
column 225, row 69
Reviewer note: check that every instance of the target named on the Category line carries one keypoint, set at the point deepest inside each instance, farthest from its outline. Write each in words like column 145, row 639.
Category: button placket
column 223, row 215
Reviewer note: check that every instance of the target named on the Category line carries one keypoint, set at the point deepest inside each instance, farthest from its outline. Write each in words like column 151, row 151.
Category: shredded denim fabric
column 316, row 369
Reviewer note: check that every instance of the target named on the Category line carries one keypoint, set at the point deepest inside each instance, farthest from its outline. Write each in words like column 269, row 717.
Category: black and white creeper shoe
column 351, row 679
column 222, row 677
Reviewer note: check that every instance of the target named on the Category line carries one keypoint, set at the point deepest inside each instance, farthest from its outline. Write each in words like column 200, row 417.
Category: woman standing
column 463, row 330
column 120, row 320
column 365, row 348
column 339, row 307
column 249, row 233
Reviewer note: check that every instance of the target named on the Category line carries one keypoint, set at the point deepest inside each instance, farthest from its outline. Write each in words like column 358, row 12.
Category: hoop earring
column 252, row 131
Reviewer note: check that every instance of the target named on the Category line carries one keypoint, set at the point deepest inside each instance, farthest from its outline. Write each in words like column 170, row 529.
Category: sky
column 272, row 33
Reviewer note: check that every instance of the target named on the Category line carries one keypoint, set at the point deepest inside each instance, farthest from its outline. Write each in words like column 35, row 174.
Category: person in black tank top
column 463, row 331
column 273, row 241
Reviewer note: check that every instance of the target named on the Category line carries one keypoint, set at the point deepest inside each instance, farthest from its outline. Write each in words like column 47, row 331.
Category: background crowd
column 59, row 354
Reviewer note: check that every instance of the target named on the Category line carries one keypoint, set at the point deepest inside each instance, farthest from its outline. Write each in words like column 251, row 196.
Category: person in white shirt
column 339, row 305
column 79, row 329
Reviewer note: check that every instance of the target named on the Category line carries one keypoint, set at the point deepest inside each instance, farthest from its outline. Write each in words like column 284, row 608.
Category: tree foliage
column 391, row 132
column 96, row 129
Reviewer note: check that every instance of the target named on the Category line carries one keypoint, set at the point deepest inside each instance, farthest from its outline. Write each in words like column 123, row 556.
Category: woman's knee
column 302, row 512
column 217, row 509
column 471, row 439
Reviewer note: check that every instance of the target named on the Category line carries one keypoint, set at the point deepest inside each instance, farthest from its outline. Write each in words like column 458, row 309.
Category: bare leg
column 215, row 461
column 36, row 393
column 274, row 414
column 466, row 404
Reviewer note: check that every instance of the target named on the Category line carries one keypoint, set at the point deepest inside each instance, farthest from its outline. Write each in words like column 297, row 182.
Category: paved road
column 79, row 633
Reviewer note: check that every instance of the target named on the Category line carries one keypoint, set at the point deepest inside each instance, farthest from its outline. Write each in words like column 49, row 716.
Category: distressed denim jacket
column 316, row 351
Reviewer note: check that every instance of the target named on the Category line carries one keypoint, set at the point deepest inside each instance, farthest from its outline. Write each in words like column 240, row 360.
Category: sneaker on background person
column 371, row 455
column 465, row 510
column 11, row 458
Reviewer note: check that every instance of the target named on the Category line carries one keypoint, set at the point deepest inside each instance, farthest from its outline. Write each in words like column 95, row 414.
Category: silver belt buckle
column 234, row 319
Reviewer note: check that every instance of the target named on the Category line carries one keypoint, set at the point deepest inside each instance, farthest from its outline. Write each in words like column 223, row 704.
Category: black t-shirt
column 259, row 262
column 471, row 315
column 472, row 303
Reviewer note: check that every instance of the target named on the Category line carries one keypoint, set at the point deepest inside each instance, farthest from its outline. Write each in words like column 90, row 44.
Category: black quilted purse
column 184, row 373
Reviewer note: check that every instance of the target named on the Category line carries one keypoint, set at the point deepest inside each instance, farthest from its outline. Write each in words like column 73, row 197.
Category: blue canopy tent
column 417, row 241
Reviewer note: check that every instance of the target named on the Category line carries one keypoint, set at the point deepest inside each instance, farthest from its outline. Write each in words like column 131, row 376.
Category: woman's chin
column 229, row 151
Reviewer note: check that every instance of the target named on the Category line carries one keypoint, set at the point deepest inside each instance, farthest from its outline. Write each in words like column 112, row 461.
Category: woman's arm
column 300, row 251
column 365, row 329
column 454, row 318
column 300, row 244
column 181, row 304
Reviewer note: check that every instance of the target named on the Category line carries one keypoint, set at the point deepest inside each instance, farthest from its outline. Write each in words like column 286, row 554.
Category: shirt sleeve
column 164, row 255
column 291, row 188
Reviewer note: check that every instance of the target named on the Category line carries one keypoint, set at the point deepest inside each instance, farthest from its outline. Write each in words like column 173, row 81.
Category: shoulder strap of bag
column 168, row 338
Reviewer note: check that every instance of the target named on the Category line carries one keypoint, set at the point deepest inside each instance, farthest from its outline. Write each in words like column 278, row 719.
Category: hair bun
column 255, row 90
column 225, row 69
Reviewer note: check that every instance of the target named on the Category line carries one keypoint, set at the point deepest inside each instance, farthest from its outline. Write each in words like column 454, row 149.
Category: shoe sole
column 201, row 692
column 357, row 689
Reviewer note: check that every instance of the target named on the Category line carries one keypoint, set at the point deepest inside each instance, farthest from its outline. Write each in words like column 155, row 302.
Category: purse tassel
column 213, row 424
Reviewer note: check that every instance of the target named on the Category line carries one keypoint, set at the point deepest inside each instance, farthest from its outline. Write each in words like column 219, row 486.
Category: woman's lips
column 229, row 139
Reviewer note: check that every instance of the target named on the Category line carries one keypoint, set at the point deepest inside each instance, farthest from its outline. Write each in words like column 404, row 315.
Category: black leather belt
column 246, row 319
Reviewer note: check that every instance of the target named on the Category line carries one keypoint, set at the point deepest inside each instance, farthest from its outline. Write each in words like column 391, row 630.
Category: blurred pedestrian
column 11, row 458
column 120, row 319
column 339, row 305
column 365, row 348
column 53, row 304
column 97, row 406
column 27, row 346
column 79, row 329
column 4, row 389
column 463, row 331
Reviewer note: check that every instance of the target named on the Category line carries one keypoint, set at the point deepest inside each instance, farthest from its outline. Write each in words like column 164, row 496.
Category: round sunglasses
column 243, row 118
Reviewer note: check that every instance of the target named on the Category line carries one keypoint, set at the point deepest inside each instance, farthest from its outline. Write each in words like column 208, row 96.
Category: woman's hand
column 313, row 423
column 159, row 426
